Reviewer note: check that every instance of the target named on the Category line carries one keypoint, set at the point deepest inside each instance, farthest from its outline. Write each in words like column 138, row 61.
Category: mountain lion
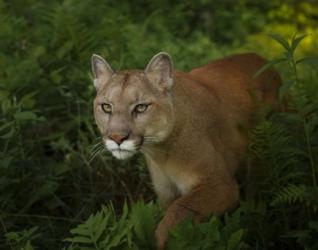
column 188, row 125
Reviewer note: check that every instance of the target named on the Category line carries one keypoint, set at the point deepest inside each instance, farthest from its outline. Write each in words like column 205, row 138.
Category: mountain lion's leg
column 166, row 192
column 166, row 196
column 214, row 196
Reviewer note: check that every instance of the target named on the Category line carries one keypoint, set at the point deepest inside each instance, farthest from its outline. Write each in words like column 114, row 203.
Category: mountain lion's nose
column 118, row 138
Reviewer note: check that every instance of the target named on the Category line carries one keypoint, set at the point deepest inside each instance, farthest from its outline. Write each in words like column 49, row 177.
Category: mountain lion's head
column 133, row 109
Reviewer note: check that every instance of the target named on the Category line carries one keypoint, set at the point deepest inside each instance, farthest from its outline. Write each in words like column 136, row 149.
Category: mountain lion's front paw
column 161, row 235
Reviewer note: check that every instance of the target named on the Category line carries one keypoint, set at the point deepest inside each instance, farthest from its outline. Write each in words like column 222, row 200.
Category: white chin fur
column 122, row 154
column 124, row 151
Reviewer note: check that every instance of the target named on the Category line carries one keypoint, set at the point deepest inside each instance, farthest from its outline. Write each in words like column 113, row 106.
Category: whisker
column 150, row 142
column 92, row 147
column 152, row 149
column 96, row 145
column 150, row 137
column 97, row 148
column 97, row 152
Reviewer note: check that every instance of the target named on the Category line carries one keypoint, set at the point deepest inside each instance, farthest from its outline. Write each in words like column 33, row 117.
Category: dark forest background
column 60, row 190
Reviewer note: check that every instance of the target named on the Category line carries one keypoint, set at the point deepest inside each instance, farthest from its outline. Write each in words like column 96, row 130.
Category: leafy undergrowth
column 135, row 230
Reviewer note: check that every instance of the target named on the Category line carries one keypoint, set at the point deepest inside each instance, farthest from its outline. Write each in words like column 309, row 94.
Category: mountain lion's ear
column 160, row 70
column 102, row 71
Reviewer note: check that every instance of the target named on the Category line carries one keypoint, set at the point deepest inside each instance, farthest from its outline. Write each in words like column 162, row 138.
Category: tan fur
column 198, row 123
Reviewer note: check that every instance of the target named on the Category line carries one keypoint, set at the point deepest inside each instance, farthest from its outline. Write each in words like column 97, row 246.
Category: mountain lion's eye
column 107, row 108
column 140, row 108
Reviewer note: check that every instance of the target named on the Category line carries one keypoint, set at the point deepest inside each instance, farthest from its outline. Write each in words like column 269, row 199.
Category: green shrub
column 135, row 230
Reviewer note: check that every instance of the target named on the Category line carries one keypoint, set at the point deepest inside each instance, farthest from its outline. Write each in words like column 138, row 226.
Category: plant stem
column 5, row 230
column 312, row 164
column 45, row 217
column 20, row 142
column 311, row 159
column 294, row 68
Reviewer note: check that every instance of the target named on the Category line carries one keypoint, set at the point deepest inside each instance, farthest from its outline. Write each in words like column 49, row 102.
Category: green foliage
column 54, row 171
column 209, row 235
column 289, row 57
column 22, row 239
column 289, row 195
column 134, row 230
column 285, row 148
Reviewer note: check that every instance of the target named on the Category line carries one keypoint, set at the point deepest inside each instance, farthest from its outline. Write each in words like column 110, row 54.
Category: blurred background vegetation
column 52, row 174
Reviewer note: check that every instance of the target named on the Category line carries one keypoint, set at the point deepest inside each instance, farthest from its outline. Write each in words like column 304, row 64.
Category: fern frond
column 289, row 195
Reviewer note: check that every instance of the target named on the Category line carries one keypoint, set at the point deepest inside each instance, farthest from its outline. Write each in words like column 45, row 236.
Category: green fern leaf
column 290, row 194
